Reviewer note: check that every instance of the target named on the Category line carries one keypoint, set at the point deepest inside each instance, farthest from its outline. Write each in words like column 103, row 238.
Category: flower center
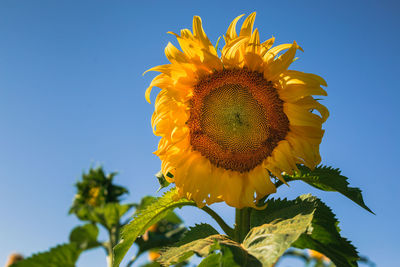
column 233, row 119
column 236, row 119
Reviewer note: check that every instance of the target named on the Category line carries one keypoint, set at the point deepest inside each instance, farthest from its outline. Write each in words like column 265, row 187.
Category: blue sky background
column 72, row 96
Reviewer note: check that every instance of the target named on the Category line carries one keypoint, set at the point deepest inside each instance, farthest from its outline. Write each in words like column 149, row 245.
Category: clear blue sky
column 72, row 95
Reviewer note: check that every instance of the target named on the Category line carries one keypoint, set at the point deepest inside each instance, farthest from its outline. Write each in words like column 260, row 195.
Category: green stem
column 113, row 234
column 278, row 184
column 224, row 226
column 110, row 255
column 242, row 223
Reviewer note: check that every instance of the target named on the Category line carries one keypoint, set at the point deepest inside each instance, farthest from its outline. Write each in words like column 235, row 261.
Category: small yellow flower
column 318, row 256
column 14, row 258
column 153, row 255
column 93, row 196
column 152, row 229
column 227, row 122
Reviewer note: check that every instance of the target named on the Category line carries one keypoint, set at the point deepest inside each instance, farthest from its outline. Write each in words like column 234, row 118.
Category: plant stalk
column 242, row 224
column 224, row 226
column 113, row 234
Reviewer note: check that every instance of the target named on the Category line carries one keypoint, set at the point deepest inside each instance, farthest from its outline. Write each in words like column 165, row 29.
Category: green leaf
column 147, row 200
column 63, row 255
column 111, row 213
column 85, row 236
column 143, row 219
column 278, row 209
column 199, row 231
column 235, row 256
column 322, row 236
column 166, row 231
column 269, row 241
column 107, row 215
column 171, row 217
column 328, row 179
column 212, row 260
column 166, row 235
column 229, row 257
column 203, row 247
column 325, row 237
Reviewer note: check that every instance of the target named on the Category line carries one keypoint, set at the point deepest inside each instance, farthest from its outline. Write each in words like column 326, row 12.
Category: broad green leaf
column 269, row 241
column 111, row 213
column 147, row 200
column 212, row 260
column 85, row 236
column 328, row 179
column 203, row 247
column 199, row 231
column 107, row 215
column 235, row 256
column 280, row 209
column 166, row 235
column 63, row 255
column 229, row 257
column 165, row 232
column 171, row 217
column 322, row 236
column 143, row 219
column 325, row 237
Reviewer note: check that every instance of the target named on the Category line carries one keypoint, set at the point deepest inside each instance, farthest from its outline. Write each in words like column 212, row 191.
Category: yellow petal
column 254, row 43
column 310, row 103
column 281, row 64
column 265, row 46
column 215, row 185
column 261, row 182
column 231, row 32
column 174, row 55
column 293, row 92
column 247, row 26
column 161, row 81
column 298, row 115
column 199, row 33
column 305, row 78
column 231, row 54
column 273, row 52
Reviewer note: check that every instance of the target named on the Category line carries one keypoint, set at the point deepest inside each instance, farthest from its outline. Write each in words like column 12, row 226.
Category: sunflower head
column 96, row 189
column 231, row 122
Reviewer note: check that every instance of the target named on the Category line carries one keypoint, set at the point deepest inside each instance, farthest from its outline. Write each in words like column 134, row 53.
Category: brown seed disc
column 236, row 119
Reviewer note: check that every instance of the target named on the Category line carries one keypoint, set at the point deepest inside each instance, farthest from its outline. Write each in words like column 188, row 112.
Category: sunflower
column 231, row 123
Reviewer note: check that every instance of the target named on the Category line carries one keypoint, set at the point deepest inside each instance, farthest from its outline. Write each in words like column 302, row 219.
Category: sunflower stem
column 113, row 234
column 224, row 226
column 278, row 184
column 242, row 224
